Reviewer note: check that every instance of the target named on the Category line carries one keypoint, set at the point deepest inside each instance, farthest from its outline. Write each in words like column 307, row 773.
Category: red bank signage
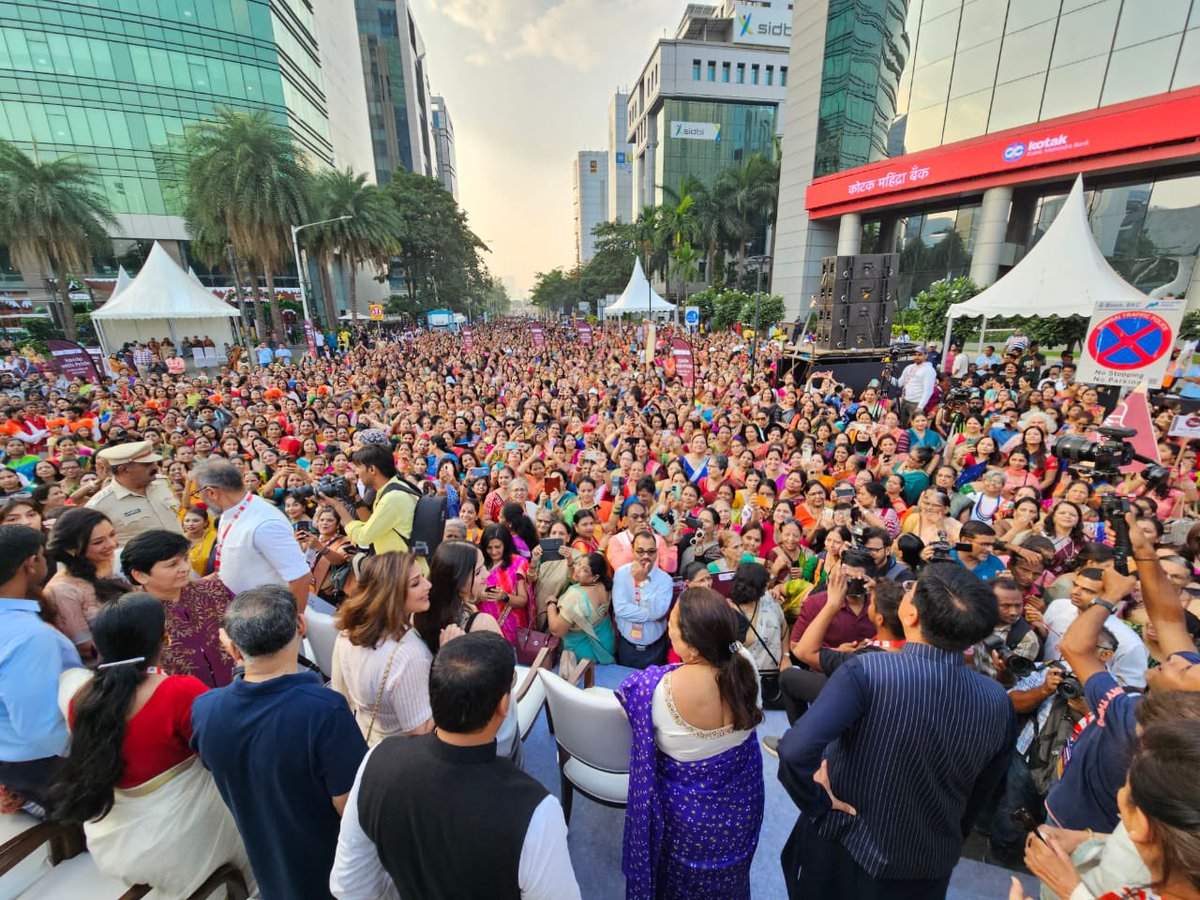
column 1113, row 131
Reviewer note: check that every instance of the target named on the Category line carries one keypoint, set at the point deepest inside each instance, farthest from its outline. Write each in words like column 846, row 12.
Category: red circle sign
column 1130, row 340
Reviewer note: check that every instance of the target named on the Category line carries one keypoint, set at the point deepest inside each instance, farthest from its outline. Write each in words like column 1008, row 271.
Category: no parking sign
column 1129, row 342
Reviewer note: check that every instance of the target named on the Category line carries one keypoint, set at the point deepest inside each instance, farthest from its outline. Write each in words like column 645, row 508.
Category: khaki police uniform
column 132, row 513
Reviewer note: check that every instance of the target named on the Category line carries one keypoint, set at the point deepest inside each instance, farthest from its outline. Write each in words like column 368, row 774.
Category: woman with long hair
column 457, row 578
column 760, row 618
column 83, row 548
column 506, row 595
column 380, row 664
column 1064, row 526
column 151, row 812
column 327, row 549
column 202, row 539
column 695, row 777
column 580, row 616
column 515, row 518
column 549, row 577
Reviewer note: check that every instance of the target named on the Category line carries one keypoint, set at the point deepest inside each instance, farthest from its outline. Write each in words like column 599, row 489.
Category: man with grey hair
column 282, row 749
column 255, row 544
column 455, row 530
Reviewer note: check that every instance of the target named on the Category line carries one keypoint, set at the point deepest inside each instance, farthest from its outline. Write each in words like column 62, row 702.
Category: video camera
column 1107, row 456
column 941, row 548
column 330, row 486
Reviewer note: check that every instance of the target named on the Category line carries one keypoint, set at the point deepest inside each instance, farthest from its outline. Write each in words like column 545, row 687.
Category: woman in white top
column 380, row 664
column 695, row 778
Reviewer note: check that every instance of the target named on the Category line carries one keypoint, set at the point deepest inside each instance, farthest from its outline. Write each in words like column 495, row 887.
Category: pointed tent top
column 123, row 281
column 162, row 290
column 196, row 278
column 639, row 296
column 1063, row 275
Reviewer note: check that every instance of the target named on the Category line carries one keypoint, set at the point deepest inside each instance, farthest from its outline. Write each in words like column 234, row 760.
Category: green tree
column 608, row 270
column 244, row 179
column 932, row 306
column 51, row 217
column 685, row 265
column 556, row 291
column 750, row 193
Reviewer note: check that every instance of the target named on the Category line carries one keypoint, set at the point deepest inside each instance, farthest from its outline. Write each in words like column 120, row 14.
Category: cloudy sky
column 527, row 84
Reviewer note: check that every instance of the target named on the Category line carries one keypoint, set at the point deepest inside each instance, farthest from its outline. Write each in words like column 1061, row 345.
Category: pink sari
column 506, row 578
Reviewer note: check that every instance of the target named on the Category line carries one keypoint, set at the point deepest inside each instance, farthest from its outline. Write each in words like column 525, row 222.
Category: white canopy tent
column 160, row 300
column 1063, row 275
column 123, row 281
column 639, row 298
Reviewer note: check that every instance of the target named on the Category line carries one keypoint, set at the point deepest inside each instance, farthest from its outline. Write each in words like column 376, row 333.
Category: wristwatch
column 1111, row 607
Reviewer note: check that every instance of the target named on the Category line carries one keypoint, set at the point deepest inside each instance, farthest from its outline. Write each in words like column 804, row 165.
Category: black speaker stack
column 857, row 301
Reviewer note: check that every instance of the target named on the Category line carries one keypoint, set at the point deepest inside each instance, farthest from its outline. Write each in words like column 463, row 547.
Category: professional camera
column 330, row 486
column 959, row 395
column 1015, row 663
column 1070, row 688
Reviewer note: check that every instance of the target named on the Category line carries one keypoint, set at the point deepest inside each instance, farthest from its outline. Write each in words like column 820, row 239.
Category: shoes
column 771, row 744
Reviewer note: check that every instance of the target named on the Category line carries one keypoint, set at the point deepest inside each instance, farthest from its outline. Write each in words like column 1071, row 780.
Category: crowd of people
column 962, row 643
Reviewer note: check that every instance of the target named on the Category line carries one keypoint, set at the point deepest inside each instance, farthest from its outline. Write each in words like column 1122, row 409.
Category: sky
column 527, row 85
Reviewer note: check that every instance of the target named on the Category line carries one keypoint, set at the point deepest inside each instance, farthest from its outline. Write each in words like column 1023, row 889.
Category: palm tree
column 51, row 217
column 369, row 237
column 750, row 193
column 244, row 177
column 651, row 243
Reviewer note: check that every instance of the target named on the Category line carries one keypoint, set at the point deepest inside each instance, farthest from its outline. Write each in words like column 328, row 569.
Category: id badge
column 635, row 632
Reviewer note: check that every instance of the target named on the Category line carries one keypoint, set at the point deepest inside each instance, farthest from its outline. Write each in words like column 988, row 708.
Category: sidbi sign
column 696, row 131
column 762, row 26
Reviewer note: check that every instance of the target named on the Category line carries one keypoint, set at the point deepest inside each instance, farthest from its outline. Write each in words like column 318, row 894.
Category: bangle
column 1146, row 558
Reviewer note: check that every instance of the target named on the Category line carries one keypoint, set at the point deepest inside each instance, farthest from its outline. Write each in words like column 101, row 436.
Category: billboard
column 761, row 26
column 696, row 131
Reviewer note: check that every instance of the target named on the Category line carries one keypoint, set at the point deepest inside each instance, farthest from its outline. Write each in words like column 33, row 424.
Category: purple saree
column 691, row 828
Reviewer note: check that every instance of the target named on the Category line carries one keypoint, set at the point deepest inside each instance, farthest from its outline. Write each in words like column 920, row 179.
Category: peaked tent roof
column 162, row 290
column 123, row 281
column 639, row 296
column 1063, row 275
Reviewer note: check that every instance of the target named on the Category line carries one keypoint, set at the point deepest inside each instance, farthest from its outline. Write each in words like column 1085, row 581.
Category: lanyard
column 225, row 531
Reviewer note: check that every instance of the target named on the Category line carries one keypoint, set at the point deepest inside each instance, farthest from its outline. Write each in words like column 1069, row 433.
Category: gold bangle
column 1146, row 558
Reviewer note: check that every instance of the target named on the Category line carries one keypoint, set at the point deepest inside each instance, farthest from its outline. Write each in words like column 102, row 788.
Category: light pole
column 758, row 266
column 308, row 328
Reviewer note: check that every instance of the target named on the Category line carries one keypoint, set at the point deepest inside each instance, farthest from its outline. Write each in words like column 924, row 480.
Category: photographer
column 980, row 559
column 1012, row 637
column 916, row 385
column 852, row 621
column 878, row 544
column 390, row 523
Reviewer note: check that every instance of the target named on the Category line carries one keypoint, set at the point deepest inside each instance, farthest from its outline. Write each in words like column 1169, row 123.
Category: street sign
column 1185, row 427
column 375, row 311
column 691, row 316
column 1129, row 342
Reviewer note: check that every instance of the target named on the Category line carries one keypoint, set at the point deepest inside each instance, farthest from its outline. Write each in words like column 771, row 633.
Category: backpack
column 1048, row 744
column 429, row 519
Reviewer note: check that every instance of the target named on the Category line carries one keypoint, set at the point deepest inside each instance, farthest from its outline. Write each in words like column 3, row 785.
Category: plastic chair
column 321, row 636
column 593, row 738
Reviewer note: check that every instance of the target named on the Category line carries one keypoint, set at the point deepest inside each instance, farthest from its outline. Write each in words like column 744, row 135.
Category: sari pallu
column 691, row 828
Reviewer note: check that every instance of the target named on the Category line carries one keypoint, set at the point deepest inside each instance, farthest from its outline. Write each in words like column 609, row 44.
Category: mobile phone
column 691, row 522
column 303, row 526
column 550, row 549
column 511, row 445
column 659, row 524
column 479, row 472
column 553, row 483
column 618, row 484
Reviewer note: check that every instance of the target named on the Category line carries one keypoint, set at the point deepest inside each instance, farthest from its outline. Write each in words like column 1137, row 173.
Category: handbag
column 530, row 642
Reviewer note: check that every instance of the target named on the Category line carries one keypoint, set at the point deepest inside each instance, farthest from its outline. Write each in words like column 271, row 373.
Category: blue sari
column 691, row 828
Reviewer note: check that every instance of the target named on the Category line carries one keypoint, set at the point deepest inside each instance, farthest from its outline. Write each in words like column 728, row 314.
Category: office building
column 589, row 175
column 443, row 144
column 397, row 85
column 620, row 162
column 116, row 83
column 949, row 131
column 708, row 98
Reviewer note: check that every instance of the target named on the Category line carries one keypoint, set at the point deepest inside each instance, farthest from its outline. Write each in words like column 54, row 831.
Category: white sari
column 171, row 832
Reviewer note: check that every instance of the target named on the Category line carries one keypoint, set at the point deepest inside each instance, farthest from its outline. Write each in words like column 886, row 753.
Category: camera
column 330, row 486
column 1070, row 688
column 856, row 587
column 1018, row 665
column 959, row 395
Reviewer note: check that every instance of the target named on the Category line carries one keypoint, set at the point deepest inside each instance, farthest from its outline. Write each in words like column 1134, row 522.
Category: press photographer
column 391, row 519
column 1012, row 649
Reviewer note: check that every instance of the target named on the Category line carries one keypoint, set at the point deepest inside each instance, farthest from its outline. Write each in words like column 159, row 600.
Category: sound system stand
column 857, row 302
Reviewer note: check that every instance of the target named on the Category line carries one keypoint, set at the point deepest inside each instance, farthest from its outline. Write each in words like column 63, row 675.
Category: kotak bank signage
column 762, row 26
column 1172, row 119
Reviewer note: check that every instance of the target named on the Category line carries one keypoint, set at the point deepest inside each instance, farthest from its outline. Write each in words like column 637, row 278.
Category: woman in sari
column 580, row 616
column 506, row 597
column 695, row 777
column 151, row 812
column 202, row 538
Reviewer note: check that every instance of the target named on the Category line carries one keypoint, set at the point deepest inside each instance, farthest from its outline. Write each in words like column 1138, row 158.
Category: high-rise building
column 708, row 98
column 951, row 131
column 620, row 162
column 589, row 174
column 443, row 143
column 397, row 85
column 117, row 82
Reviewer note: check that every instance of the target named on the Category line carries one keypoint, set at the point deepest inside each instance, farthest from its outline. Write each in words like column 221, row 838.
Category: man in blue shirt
column 980, row 559
column 33, row 654
column 882, row 816
column 283, row 750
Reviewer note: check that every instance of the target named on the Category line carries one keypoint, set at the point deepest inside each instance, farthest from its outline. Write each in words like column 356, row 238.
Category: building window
column 741, row 73
column 783, row 76
column 725, row 73
column 712, row 70
column 770, row 76
column 695, row 70
column 754, row 74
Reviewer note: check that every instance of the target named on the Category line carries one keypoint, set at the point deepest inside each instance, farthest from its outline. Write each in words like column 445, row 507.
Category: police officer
column 136, row 500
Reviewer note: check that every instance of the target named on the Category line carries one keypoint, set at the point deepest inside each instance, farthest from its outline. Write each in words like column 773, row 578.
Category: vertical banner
column 309, row 337
column 685, row 362
column 72, row 360
column 585, row 334
column 539, row 336
column 650, row 339
column 468, row 340
column 1129, row 342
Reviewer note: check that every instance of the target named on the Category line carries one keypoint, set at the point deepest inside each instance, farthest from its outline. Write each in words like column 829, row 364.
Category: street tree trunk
column 260, row 320
column 277, row 324
column 353, row 283
column 70, row 329
column 327, row 294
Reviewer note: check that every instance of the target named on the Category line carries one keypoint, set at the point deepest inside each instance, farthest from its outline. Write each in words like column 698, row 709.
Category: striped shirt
column 916, row 743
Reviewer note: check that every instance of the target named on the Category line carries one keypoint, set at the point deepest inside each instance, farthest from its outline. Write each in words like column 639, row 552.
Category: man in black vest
column 440, row 815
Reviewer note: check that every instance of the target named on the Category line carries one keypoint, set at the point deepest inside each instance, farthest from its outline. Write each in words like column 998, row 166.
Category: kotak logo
column 1013, row 152
column 1049, row 143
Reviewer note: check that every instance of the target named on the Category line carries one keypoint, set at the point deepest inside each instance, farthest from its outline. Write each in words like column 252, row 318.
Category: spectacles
column 637, row 517
column 647, row 551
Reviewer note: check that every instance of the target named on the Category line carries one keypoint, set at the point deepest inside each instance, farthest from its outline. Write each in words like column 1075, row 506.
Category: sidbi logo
column 1013, row 152
column 745, row 25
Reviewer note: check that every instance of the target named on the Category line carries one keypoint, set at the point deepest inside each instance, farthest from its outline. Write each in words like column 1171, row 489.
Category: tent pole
column 946, row 342
column 982, row 332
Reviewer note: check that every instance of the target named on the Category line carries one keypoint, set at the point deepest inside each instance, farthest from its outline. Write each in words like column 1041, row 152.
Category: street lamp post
column 758, row 265
column 308, row 327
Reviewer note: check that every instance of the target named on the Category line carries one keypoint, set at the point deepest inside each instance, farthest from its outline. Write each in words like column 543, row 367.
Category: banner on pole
column 1129, row 342
column 539, row 336
column 468, row 339
column 73, row 360
column 685, row 363
column 310, row 338
column 375, row 312
column 1185, row 427
column 585, row 334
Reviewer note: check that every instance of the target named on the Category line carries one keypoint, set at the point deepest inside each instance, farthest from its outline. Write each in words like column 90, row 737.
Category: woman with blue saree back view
column 695, row 780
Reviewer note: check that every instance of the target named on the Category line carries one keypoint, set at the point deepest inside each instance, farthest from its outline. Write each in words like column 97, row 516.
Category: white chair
column 530, row 695
column 594, row 738
column 321, row 637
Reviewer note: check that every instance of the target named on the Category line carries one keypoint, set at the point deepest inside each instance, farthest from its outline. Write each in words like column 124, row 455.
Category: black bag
column 429, row 518
column 768, row 679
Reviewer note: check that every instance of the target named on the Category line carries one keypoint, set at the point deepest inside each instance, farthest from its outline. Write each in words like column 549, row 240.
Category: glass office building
column 744, row 128
column 117, row 82
column 964, row 89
